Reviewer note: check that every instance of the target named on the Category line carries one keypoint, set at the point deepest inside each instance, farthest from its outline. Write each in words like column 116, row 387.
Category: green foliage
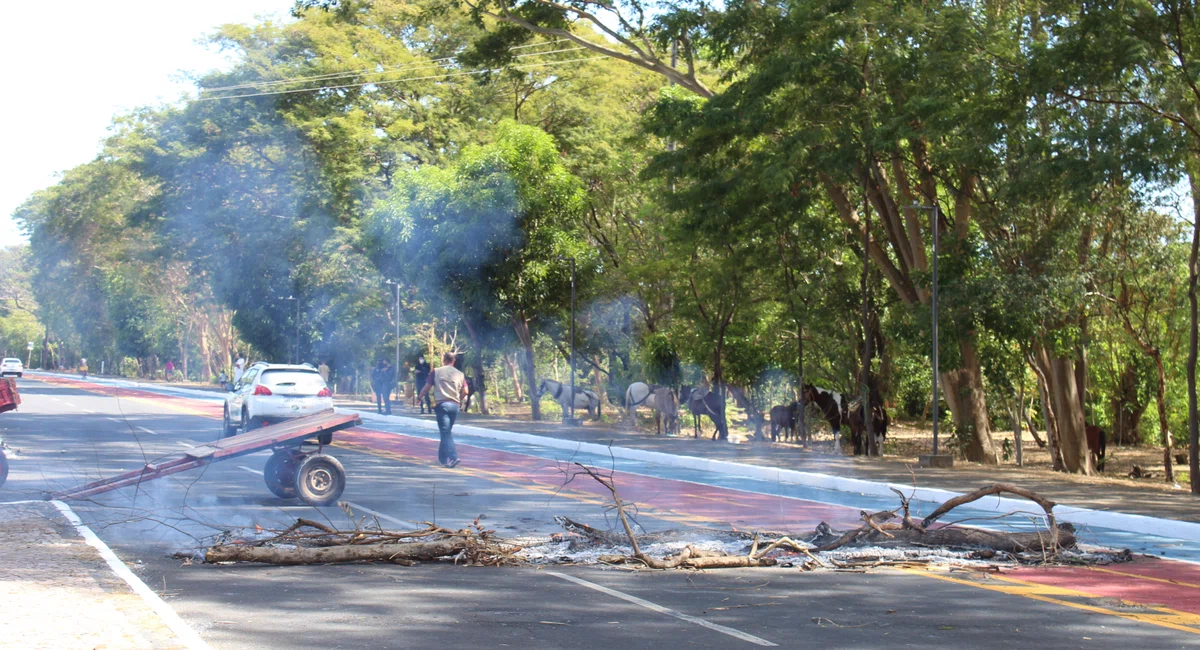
column 716, row 233
column 130, row 368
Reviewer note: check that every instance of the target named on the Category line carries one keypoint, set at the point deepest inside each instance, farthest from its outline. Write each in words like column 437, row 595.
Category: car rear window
column 293, row 378
column 12, row 361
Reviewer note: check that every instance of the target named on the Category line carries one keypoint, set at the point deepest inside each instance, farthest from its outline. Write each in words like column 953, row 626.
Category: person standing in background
column 324, row 370
column 421, row 374
column 239, row 367
column 383, row 375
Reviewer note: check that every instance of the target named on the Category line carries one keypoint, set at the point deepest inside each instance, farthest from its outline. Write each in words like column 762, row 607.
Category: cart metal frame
column 313, row 476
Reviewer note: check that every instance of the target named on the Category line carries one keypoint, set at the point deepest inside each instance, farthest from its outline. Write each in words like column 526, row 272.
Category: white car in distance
column 271, row 392
column 11, row 366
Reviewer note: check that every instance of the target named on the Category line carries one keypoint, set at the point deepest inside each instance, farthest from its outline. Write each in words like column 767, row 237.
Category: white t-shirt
column 239, row 367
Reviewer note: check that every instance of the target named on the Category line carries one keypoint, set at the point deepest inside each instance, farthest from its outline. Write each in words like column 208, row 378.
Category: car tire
column 280, row 472
column 228, row 428
column 248, row 423
column 320, row 480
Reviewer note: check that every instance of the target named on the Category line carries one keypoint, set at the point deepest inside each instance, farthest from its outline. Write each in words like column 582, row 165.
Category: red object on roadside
column 10, row 399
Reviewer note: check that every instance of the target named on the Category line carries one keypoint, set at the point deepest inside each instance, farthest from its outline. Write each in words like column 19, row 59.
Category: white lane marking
column 188, row 445
column 117, row 420
column 182, row 630
column 737, row 634
column 153, row 433
column 356, row 506
column 87, row 410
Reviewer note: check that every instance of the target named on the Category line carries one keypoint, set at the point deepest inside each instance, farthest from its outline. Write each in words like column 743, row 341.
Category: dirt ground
column 907, row 440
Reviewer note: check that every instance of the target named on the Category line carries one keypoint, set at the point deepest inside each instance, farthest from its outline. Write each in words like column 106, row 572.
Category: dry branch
column 1001, row 488
column 399, row 553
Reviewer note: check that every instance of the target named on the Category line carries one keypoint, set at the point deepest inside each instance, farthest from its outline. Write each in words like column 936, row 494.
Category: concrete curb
column 1170, row 528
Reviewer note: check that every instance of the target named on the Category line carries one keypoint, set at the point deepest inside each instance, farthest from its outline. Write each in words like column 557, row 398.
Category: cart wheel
column 280, row 473
column 320, row 480
column 3, row 467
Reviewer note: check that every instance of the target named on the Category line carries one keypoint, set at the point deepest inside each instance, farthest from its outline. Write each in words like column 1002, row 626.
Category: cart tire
column 280, row 473
column 3, row 468
column 320, row 480
column 228, row 428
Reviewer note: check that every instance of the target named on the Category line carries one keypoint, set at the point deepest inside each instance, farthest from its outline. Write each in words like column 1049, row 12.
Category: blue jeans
column 446, row 413
column 383, row 402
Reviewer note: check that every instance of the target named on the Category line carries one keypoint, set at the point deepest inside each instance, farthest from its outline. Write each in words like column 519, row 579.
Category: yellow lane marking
column 1162, row 616
column 1142, row 577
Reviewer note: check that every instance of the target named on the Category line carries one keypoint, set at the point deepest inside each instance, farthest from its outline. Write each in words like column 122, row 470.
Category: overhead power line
column 402, row 79
column 372, row 71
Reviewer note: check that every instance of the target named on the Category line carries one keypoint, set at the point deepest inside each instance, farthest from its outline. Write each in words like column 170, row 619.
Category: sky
column 72, row 65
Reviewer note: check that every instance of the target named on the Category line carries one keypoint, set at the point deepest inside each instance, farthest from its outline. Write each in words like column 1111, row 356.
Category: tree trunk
column 1018, row 417
column 510, row 361
column 480, row 396
column 963, row 390
column 802, row 424
column 1193, row 271
column 521, row 326
column 1160, row 396
column 1048, row 415
column 1127, row 410
column 1064, row 394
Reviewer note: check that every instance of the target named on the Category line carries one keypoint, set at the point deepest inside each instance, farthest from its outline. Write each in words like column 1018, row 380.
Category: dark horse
column 1097, row 444
column 701, row 401
column 858, row 427
column 787, row 419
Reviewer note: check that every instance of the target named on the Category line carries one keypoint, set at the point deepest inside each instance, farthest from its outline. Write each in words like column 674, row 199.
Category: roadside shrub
column 130, row 368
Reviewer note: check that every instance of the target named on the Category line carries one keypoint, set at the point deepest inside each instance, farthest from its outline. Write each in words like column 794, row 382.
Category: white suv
column 11, row 367
column 269, row 393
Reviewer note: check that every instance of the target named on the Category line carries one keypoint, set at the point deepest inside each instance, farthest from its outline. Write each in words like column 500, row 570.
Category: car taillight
column 324, row 392
column 261, row 390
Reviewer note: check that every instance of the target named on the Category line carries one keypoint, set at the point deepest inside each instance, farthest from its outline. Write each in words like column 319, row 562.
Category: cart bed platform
column 285, row 437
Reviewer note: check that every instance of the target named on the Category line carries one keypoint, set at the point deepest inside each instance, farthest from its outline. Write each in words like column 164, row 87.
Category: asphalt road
column 67, row 436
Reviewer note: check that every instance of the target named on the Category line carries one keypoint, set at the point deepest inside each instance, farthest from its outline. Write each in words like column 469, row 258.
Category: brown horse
column 858, row 428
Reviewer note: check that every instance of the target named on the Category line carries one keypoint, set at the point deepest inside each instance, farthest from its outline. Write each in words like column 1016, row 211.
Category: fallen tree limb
column 399, row 553
column 1001, row 488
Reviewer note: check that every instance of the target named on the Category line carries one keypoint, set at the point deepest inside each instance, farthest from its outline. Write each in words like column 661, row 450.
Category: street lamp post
column 296, row 352
column 572, row 396
column 396, row 368
column 935, row 460
column 572, row 340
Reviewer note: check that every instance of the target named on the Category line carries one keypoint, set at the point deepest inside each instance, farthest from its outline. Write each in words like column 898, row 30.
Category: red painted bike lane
column 1145, row 581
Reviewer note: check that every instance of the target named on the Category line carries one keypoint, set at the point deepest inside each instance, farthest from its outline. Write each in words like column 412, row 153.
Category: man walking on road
column 449, row 387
